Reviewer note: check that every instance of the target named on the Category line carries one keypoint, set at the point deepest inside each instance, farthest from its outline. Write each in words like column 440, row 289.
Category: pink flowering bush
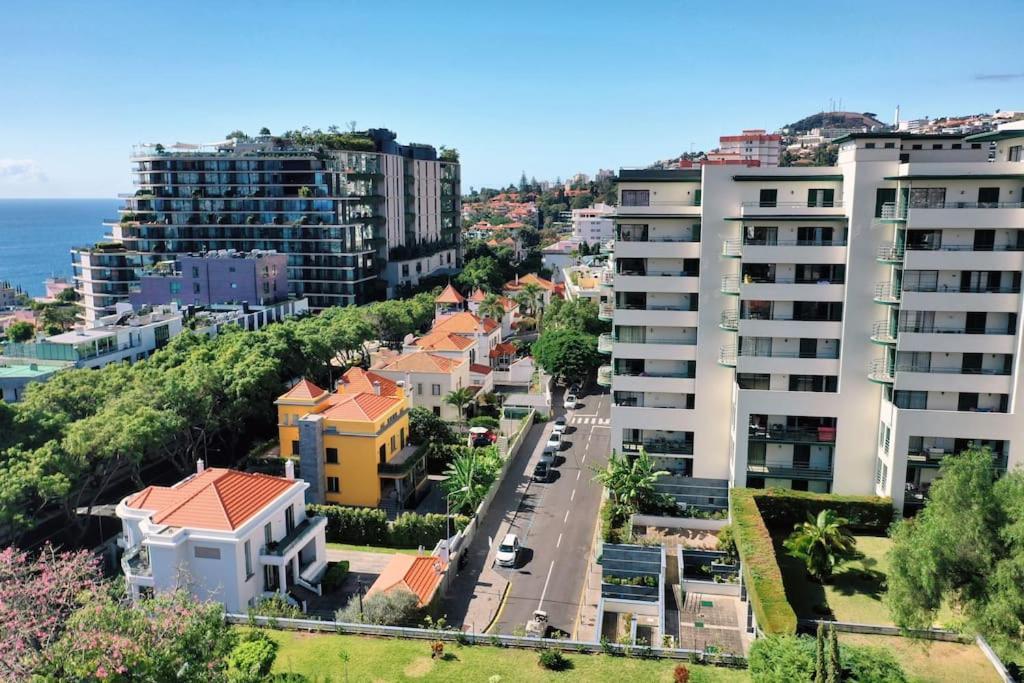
column 167, row 638
column 37, row 596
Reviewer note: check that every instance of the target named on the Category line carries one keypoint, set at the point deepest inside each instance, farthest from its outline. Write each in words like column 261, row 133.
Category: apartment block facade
column 822, row 328
column 355, row 224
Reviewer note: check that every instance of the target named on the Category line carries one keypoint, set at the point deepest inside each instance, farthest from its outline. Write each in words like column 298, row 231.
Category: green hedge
column 756, row 512
column 370, row 526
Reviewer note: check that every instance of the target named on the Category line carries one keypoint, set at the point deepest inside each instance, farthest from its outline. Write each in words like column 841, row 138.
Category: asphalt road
column 556, row 521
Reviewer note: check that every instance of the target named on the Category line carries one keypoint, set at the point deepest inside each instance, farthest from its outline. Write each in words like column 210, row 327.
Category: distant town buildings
column 357, row 215
column 217, row 277
column 753, row 147
column 593, row 225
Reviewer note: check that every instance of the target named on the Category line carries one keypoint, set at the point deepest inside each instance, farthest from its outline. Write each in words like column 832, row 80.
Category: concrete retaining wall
column 679, row 522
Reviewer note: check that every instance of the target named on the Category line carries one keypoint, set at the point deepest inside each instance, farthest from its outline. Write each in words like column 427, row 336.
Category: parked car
column 559, row 425
column 548, row 456
column 554, row 441
column 508, row 551
column 570, row 401
column 542, row 472
column 482, row 441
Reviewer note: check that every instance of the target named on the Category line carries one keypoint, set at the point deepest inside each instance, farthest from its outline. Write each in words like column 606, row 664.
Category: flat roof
column 83, row 335
column 676, row 175
column 787, row 178
column 897, row 136
column 27, row 371
column 996, row 135
column 959, row 176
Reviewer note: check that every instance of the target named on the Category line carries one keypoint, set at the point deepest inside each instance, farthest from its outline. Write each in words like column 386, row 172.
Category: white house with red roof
column 510, row 306
column 224, row 535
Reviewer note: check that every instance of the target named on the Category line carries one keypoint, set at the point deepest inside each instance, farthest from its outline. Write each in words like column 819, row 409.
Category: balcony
column 294, row 539
column 727, row 356
column 780, row 434
column 135, row 562
column 881, row 371
column 656, row 209
column 732, row 248
column 796, row 210
column 882, row 332
column 886, row 293
column 969, row 215
column 730, row 320
column 824, row 362
column 403, row 462
column 661, row 382
column 892, row 213
column 659, row 446
column 730, row 285
column 605, row 343
column 606, row 311
column 964, row 257
column 656, row 316
column 788, row 469
column 889, row 253
column 604, row 376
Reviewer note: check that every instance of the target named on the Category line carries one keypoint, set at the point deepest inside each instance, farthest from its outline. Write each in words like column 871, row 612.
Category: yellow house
column 353, row 446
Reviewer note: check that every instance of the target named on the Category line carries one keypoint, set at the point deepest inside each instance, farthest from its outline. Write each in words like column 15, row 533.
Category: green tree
column 820, row 667
column 57, row 318
column 460, row 398
column 966, row 547
column 566, row 354
column 483, row 272
column 68, row 295
column 252, row 658
column 632, row 481
column 20, row 331
column 492, row 307
column 392, row 608
column 820, row 542
column 264, row 131
column 578, row 314
column 236, row 134
column 834, row 673
column 533, row 295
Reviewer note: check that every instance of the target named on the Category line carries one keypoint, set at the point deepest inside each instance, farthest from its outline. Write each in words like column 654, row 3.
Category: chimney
column 289, row 469
column 200, row 466
column 376, row 388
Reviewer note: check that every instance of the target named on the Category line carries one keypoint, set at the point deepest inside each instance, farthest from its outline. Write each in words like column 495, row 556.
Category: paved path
column 359, row 561
column 556, row 523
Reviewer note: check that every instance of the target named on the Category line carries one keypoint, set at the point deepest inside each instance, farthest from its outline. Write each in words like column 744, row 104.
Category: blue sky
column 548, row 87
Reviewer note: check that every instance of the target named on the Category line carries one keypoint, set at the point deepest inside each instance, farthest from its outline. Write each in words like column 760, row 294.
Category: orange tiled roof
column 422, row 361
column 529, row 277
column 450, row 295
column 361, row 407
column 478, row 295
column 357, row 380
column 304, row 390
column 443, row 341
column 420, row 575
column 464, row 323
column 217, row 499
column 503, row 349
column 479, row 369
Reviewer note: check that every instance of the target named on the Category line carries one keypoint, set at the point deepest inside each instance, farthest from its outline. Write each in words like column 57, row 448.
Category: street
column 555, row 523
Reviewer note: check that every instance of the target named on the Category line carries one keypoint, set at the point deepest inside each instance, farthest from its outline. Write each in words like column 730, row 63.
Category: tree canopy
column 566, row 354
column 20, row 331
column 483, row 272
column 578, row 314
column 965, row 547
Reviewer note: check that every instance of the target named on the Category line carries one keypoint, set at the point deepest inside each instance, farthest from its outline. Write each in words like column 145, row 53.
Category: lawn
column 932, row 661
column 386, row 659
column 856, row 591
column 374, row 549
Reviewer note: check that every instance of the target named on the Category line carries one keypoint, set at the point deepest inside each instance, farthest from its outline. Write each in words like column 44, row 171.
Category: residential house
column 353, row 445
column 547, row 287
column 223, row 535
column 430, row 377
column 510, row 306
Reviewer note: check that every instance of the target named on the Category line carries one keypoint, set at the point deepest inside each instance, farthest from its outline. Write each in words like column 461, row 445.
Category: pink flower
column 101, row 672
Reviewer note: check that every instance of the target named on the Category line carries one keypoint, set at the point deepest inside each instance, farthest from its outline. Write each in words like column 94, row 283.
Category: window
column 234, row 285
column 822, row 197
column 333, row 485
column 869, row 145
column 890, row 145
column 195, row 271
column 768, row 198
column 916, row 147
column 1016, row 153
column 435, row 389
column 204, row 553
column 295, row 447
column 975, row 145
column 248, row 560
column 195, row 287
column 419, row 389
column 956, row 145
column 289, row 519
column 437, row 411
column 937, row 145
column 636, row 197
column 332, row 456
column 383, row 453
column 393, row 441
column 268, row 533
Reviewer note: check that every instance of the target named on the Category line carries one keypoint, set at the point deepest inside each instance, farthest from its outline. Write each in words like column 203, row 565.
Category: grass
column 931, row 661
column 386, row 659
column 856, row 592
column 373, row 549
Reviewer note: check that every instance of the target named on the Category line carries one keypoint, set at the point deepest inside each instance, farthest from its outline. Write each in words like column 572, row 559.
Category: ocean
column 36, row 236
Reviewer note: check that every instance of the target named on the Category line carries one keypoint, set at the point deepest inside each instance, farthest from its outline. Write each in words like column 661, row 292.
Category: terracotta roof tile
column 479, row 369
column 216, row 499
column 464, row 323
column 443, row 341
column 512, row 285
column 303, row 390
column 422, row 361
column 357, row 380
column 360, row 407
column 419, row 575
column 450, row 295
column 503, row 349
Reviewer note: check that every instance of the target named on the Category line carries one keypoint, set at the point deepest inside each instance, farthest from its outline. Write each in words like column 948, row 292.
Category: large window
column 927, row 197
column 333, row 485
column 332, row 456
column 248, row 560
column 636, row 197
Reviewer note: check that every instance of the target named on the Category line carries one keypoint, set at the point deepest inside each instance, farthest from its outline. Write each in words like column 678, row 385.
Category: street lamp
column 448, row 520
column 359, row 582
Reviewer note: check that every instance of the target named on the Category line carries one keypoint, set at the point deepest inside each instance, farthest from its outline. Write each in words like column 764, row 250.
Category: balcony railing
column 788, row 468
column 729, row 320
column 731, row 285
column 960, row 289
column 659, row 446
column 647, row 237
column 886, row 293
column 727, row 356
column 606, row 311
column 778, row 433
column 755, row 242
column 604, row 375
column 605, row 343
column 135, row 561
column 819, row 204
column 954, row 329
column 917, row 367
column 882, row 332
column 632, row 372
column 771, row 353
column 881, row 370
column 964, row 247
column 792, row 280
column 889, row 253
column 732, row 248
column 893, row 211
column 300, row 533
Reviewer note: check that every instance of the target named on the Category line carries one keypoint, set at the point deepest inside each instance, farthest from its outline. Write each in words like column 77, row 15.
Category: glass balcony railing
column 730, row 320
column 732, row 248
column 887, row 293
column 881, row 371
column 731, row 285
column 604, row 376
column 605, row 343
column 727, row 356
column 882, row 332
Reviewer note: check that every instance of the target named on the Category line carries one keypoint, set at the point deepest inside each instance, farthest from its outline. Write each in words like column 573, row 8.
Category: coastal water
column 36, row 236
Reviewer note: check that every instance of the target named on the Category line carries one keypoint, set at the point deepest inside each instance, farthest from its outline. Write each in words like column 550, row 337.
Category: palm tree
column 462, row 483
column 820, row 542
column 460, row 398
column 631, row 481
column 492, row 307
column 533, row 295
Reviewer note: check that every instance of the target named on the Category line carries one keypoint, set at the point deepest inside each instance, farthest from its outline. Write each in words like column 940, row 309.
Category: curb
column 501, row 608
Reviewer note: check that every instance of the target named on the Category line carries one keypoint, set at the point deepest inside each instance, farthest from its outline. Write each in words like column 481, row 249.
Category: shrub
column 335, row 576
column 727, row 542
column 782, row 658
column 614, row 518
column 484, row 421
column 783, row 509
column 871, row 664
column 412, row 530
column 276, row 607
column 359, row 526
column 553, row 660
column 252, row 658
column 394, row 608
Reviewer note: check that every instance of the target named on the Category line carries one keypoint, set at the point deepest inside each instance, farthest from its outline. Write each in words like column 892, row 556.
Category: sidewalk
column 586, row 625
column 477, row 592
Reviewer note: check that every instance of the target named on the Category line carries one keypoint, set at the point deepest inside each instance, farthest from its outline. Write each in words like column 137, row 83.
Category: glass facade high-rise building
column 358, row 215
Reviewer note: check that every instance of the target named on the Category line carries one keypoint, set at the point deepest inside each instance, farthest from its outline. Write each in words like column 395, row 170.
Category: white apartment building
column 593, row 225
column 229, row 536
column 753, row 145
column 826, row 329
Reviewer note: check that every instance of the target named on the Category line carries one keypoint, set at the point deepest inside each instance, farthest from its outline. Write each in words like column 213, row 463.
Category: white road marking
column 578, row 474
column 573, row 496
column 566, row 519
column 544, row 592
column 558, row 543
